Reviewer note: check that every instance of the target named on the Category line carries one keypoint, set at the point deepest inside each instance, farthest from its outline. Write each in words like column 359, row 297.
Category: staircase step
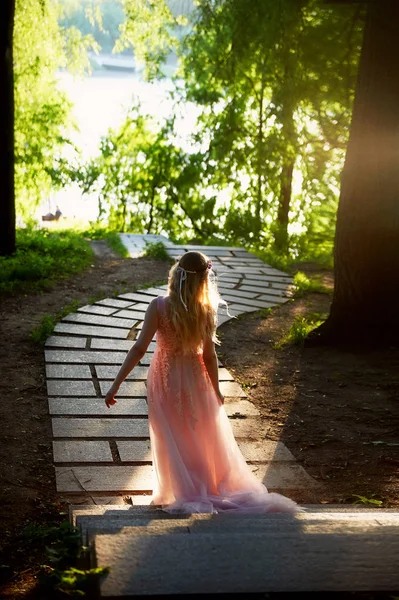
column 325, row 511
column 196, row 524
column 295, row 559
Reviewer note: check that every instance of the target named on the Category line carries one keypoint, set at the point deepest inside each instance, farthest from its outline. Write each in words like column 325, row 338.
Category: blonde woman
column 197, row 464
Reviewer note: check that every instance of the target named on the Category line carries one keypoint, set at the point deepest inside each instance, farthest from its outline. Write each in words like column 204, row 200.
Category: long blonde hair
column 194, row 300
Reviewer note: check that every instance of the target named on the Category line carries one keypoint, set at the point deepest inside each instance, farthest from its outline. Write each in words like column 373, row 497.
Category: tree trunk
column 364, row 310
column 281, row 234
column 7, row 215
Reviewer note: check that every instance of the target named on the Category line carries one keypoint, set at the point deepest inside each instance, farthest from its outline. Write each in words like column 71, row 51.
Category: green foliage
column 147, row 184
column 157, row 251
column 101, row 232
column 41, row 258
column 42, row 110
column 300, row 329
column 275, row 84
column 305, row 285
column 48, row 322
column 99, row 19
column 60, row 577
column 366, row 501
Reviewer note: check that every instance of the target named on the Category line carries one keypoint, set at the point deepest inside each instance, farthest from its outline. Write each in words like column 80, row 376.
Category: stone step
column 292, row 558
column 276, row 476
column 339, row 512
column 149, row 524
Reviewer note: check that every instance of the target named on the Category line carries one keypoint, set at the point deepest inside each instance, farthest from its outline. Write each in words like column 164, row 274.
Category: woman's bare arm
column 211, row 363
column 136, row 352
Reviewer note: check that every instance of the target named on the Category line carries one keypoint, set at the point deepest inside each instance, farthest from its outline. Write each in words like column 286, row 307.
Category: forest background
column 273, row 90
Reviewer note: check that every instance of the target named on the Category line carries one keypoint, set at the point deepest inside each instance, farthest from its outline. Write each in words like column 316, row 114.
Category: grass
column 300, row 329
column 157, row 251
column 48, row 322
column 42, row 257
column 112, row 238
column 305, row 285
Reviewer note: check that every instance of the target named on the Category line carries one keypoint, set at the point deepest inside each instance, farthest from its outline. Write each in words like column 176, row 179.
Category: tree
column 7, row 216
column 364, row 306
column 272, row 108
column 146, row 183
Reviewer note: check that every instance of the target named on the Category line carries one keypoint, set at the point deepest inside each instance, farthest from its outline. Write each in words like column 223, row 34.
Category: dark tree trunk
column 281, row 235
column 365, row 302
column 7, row 193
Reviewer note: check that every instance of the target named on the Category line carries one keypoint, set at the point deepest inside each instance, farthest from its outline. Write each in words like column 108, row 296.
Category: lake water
column 102, row 101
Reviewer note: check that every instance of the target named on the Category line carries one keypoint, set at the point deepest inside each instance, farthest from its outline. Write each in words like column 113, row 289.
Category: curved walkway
column 105, row 455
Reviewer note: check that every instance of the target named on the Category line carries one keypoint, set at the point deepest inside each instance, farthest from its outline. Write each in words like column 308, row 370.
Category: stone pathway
column 105, row 455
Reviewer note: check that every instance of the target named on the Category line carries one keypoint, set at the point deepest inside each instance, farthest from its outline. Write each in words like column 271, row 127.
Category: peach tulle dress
column 198, row 466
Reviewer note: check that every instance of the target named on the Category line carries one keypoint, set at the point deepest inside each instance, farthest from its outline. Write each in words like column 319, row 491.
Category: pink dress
column 198, row 466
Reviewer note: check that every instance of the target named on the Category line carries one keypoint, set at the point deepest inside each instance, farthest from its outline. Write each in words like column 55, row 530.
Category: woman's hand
column 110, row 397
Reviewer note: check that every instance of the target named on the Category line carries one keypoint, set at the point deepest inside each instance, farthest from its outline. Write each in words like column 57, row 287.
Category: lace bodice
column 180, row 374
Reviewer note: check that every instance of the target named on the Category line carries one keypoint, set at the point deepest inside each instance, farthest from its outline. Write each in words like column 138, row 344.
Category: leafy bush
column 61, row 577
column 41, row 257
column 157, row 251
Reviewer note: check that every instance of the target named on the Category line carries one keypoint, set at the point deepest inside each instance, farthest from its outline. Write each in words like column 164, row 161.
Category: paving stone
column 147, row 358
column 225, row 375
column 226, row 285
column 239, row 309
column 132, row 389
column 231, row 389
column 70, row 388
column 265, row 289
column 244, row 270
column 99, row 320
column 134, row 450
column 90, row 330
column 134, row 296
column 81, row 451
column 271, row 298
column 109, row 344
column 68, row 372
column 242, row 407
column 249, row 302
column 249, row 428
column 223, row 319
column 62, row 341
column 85, row 357
column 96, row 407
column 283, row 475
column 238, row 292
column 131, row 314
column 154, row 291
column 104, row 479
column 114, row 302
column 97, row 310
column 252, row 279
column 140, row 306
column 97, row 428
column 265, row 450
column 110, row 372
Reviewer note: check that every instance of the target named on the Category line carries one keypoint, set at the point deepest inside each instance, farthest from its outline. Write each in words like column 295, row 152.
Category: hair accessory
column 183, row 277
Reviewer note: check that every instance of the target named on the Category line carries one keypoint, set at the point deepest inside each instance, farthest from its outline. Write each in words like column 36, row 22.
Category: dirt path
column 27, row 486
column 336, row 411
